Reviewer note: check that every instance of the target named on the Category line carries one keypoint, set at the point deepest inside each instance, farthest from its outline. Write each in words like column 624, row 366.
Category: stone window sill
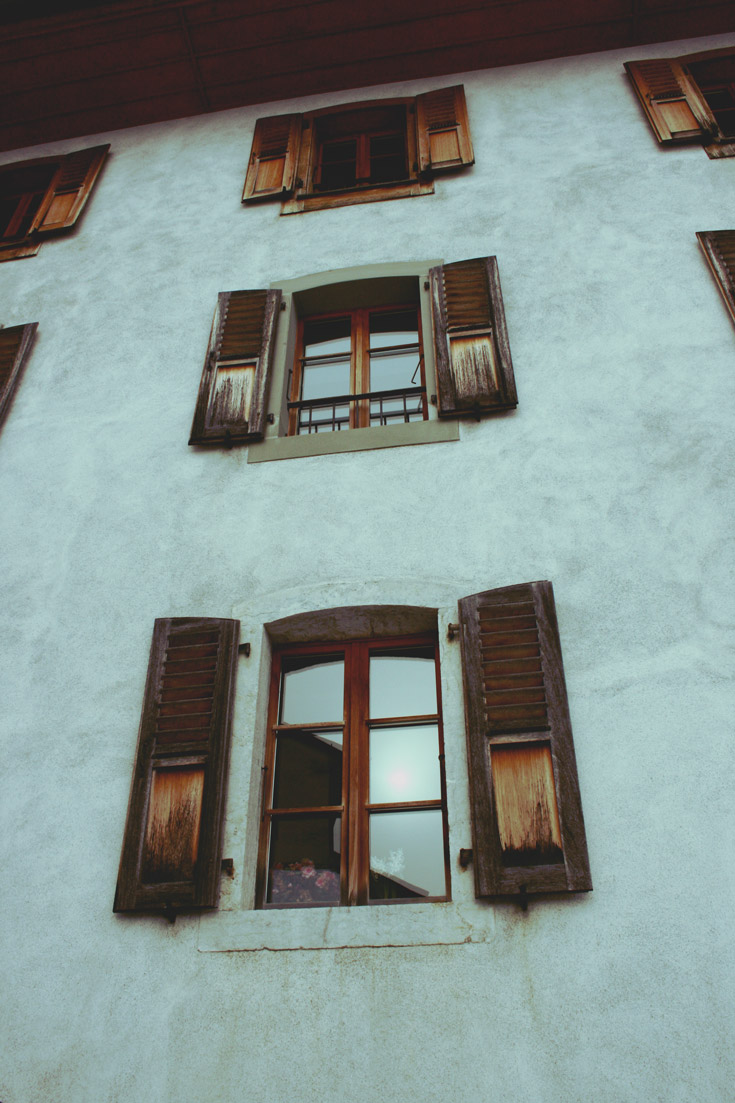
column 353, row 440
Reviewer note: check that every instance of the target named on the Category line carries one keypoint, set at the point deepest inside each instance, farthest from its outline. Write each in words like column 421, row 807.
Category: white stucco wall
column 611, row 479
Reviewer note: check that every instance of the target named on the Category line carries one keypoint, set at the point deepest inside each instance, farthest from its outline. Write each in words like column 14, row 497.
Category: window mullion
column 298, row 368
column 361, row 330
column 351, row 831
column 360, row 774
column 362, row 167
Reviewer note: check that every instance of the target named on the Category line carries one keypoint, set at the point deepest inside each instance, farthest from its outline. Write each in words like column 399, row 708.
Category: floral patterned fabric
column 302, row 883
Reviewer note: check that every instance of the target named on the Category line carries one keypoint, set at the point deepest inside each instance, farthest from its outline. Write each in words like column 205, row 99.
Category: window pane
column 338, row 164
column 322, row 379
column 394, row 327
column 403, row 683
column 387, row 158
column 304, row 860
column 406, row 855
column 404, row 764
column 389, row 370
column 308, row 770
column 327, row 336
column 312, row 689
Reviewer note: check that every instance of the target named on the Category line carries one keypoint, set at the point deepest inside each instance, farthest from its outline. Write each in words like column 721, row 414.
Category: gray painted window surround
column 366, row 285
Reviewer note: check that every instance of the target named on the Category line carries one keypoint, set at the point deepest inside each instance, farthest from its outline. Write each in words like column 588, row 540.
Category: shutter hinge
column 244, row 649
column 452, row 631
column 283, row 304
column 432, row 400
column 465, row 857
column 228, row 867
column 427, row 285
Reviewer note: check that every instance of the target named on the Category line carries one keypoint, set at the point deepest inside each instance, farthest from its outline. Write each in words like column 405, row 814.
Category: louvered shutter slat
column 231, row 405
column 172, row 849
column 473, row 361
column 273, row 158
column 70, row 189
column 671, row 103
column 443, row 131
column 528, row 831
column 719, row 249
column 15, row 344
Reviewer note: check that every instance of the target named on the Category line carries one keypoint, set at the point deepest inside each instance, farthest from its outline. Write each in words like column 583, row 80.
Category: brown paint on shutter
column 172, row 848
column 231, row 405
column 70, row 189
column 273, row 158
column 15, row 344
column 171, row 844
column 528, row 830
column 525, row 799
column 672, row 103
column 719, row 249
column 473, row 361
column 443, row 130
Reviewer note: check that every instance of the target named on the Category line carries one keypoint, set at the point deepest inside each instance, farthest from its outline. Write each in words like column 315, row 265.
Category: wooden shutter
column 719, row 249
column 473, row 363
column 443, row 130
column 172, row 850
column 15, row 343
column 675, row 108
column 273, row 158
column 234, row 387
column 70, row 189
column 528, row 831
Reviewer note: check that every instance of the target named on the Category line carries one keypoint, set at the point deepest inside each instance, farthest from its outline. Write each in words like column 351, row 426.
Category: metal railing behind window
column 400, row 404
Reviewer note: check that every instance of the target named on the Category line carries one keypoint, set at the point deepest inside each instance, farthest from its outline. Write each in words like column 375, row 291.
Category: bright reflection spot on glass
column 399, row 780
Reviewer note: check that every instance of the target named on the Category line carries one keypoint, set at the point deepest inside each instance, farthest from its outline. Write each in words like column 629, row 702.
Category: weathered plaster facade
column 611, row 479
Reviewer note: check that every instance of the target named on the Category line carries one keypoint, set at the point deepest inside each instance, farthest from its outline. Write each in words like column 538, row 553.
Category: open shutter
column 234, row 387
column 528, row 831
column 273, row 158
column 15, row 343
column 172, row 850
column 443, row 130
column 473, row 363
column 719, row 249
column 674, row 106
column 70, row 189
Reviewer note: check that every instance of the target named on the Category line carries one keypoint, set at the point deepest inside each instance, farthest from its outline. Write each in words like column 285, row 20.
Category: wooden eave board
column 140, row 65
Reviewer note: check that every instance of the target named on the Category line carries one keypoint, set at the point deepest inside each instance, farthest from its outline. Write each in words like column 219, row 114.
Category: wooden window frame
column 355, row 808
column 362, row 137
column 284, row 159
column 359, row 362
column 309, row 197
